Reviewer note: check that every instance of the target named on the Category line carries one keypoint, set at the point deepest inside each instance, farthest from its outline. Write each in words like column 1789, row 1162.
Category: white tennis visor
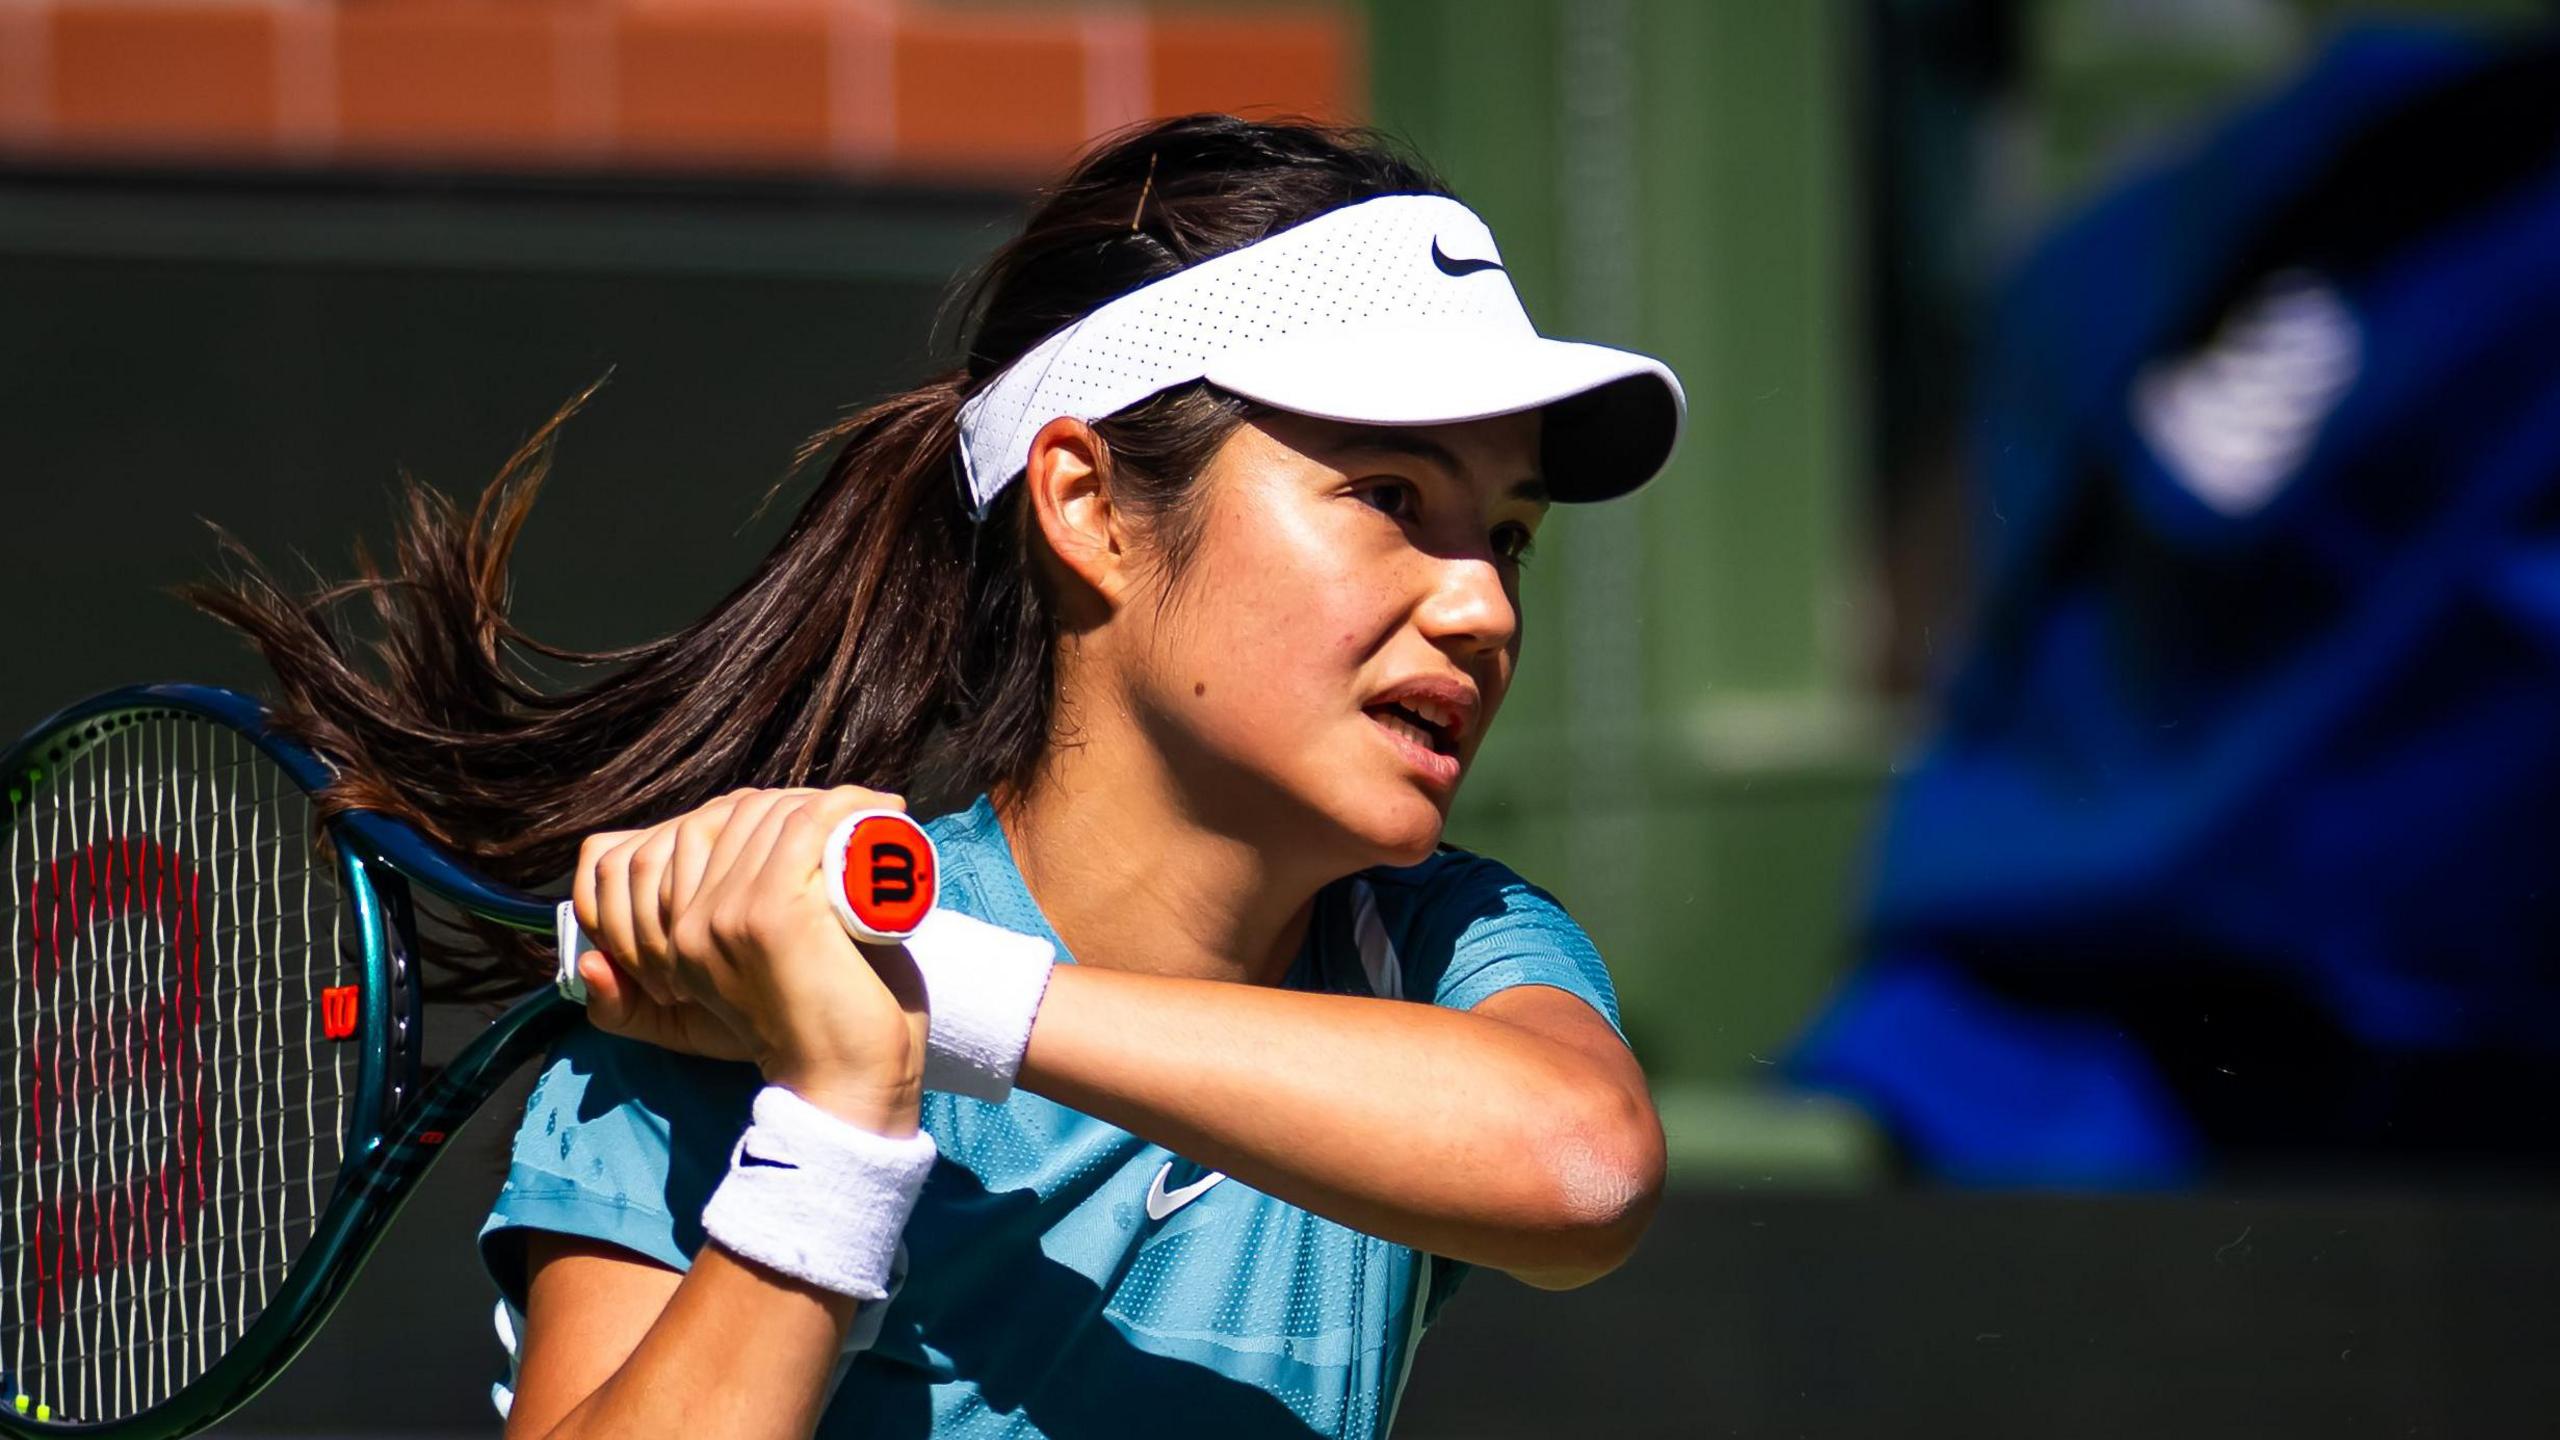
column 1393, row 311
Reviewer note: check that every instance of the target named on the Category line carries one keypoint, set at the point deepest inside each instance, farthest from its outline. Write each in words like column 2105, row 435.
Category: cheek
column 1272, row 632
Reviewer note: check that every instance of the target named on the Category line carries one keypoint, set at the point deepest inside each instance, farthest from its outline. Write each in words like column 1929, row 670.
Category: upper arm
column 1477, row 937
column 1491, row 943
column 1568, row 1020
column 587, row 1306
column 599, row 1214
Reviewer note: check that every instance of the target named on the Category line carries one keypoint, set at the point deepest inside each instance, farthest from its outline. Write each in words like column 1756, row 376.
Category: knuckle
column 845, row 800
column 691, row 934
column 723, row 926
column 649, row 859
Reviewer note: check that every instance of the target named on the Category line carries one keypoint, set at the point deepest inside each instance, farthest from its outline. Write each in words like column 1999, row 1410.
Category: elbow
column 1602, row 1162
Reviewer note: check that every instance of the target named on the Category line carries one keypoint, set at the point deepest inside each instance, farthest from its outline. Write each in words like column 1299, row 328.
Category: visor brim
column 1612, row 416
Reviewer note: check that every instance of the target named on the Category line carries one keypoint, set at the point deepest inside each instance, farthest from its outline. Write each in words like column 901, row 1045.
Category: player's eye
column 1514, row 543
column 1394, row 499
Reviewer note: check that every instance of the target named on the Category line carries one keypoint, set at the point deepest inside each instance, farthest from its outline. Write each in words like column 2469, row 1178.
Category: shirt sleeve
column 621, row 1142
column 1479, row 929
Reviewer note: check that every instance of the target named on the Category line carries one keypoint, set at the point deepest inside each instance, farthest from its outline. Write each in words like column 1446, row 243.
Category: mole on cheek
column 1199, row 688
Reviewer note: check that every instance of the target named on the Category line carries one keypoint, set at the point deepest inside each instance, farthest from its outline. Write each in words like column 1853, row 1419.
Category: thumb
column 616, row 1003
column 609, row 996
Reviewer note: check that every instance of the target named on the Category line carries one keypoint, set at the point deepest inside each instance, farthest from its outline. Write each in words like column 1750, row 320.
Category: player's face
column 1342, row 635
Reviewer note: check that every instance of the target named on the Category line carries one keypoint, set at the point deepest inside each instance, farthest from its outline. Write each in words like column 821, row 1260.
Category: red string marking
column 146, row 1041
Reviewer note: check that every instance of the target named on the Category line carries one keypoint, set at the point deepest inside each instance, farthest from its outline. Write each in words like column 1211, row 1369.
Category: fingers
column 648, row 867
column 752, row 897
column 618, row 1006
column 843, row 800
column 625, row 891
column 785, row 859
column 714, row 936
column 582, row 883
column 737, row 830
column 695, row 834
column 776, row 865
column 612, row 930
column 706, row 841
column 668, row 905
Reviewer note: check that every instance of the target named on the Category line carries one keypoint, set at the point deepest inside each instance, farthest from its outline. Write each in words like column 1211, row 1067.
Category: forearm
column 737, row 1353
column 1450, row 1131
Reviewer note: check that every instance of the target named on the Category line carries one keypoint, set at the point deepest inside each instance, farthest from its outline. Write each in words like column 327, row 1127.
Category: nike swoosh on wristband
column 749, row 1157
column 1451, row 265
column 1162, row 1202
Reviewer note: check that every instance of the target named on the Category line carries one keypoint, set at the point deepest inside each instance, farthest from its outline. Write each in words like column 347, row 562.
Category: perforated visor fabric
column 1394, row 311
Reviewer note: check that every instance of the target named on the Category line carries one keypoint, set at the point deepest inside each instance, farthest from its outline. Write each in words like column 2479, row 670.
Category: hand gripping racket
column 881, row 874
column 212, row 1093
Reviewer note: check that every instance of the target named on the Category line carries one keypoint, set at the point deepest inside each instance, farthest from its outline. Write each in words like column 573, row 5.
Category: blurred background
column 2062, row 771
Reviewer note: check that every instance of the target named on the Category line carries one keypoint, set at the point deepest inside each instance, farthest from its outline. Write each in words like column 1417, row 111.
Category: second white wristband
column 983, row 985
column 818, row 1198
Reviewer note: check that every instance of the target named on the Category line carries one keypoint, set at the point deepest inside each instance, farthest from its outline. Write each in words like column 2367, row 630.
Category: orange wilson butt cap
column 881, row 874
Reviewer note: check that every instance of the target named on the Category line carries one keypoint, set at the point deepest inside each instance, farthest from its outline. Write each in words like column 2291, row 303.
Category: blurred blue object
column 2237, row 835
column 1990, row 1093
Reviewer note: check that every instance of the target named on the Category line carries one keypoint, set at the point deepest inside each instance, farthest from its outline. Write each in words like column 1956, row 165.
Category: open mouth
column 1430, row 726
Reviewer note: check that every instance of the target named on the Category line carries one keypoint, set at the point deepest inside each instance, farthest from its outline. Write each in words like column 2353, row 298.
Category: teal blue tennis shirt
column 1063, row 1277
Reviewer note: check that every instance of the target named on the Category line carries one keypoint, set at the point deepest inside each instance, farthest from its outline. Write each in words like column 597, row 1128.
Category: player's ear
column 1070, row 502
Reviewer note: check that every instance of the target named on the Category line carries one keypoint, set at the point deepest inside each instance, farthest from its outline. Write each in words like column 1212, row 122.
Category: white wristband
column 983, row 986
column 818, row 1198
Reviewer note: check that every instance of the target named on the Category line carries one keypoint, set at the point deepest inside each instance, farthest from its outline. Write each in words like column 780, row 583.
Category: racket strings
column 173, row 1114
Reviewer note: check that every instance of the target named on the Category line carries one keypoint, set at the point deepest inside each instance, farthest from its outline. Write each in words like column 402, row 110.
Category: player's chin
column 1401, row 828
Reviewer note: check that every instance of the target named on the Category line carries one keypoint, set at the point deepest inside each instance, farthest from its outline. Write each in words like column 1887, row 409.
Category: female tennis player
column 1199, row 586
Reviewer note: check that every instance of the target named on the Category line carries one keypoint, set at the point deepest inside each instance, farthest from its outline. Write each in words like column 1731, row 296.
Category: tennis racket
column 213, row 1098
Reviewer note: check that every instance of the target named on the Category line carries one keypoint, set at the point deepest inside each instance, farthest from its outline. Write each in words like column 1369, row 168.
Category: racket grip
column 882, row 878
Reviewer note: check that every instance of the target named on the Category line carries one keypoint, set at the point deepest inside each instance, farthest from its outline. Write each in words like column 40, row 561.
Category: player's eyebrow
column 1385, row 440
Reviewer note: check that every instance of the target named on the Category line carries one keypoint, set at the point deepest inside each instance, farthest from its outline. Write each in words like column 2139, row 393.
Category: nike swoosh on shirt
column 749, row 1157
column 1162, row 1202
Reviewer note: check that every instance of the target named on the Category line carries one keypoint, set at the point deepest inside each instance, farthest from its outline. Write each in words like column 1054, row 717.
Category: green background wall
column 1687, row 758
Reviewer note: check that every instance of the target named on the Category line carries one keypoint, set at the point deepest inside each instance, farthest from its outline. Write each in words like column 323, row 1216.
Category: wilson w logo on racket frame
column 212, row 1099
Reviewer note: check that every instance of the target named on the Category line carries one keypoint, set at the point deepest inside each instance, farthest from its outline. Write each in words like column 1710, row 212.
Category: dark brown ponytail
column 887, row 639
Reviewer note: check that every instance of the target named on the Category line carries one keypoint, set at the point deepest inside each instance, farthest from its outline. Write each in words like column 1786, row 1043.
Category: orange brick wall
column 868, row 86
